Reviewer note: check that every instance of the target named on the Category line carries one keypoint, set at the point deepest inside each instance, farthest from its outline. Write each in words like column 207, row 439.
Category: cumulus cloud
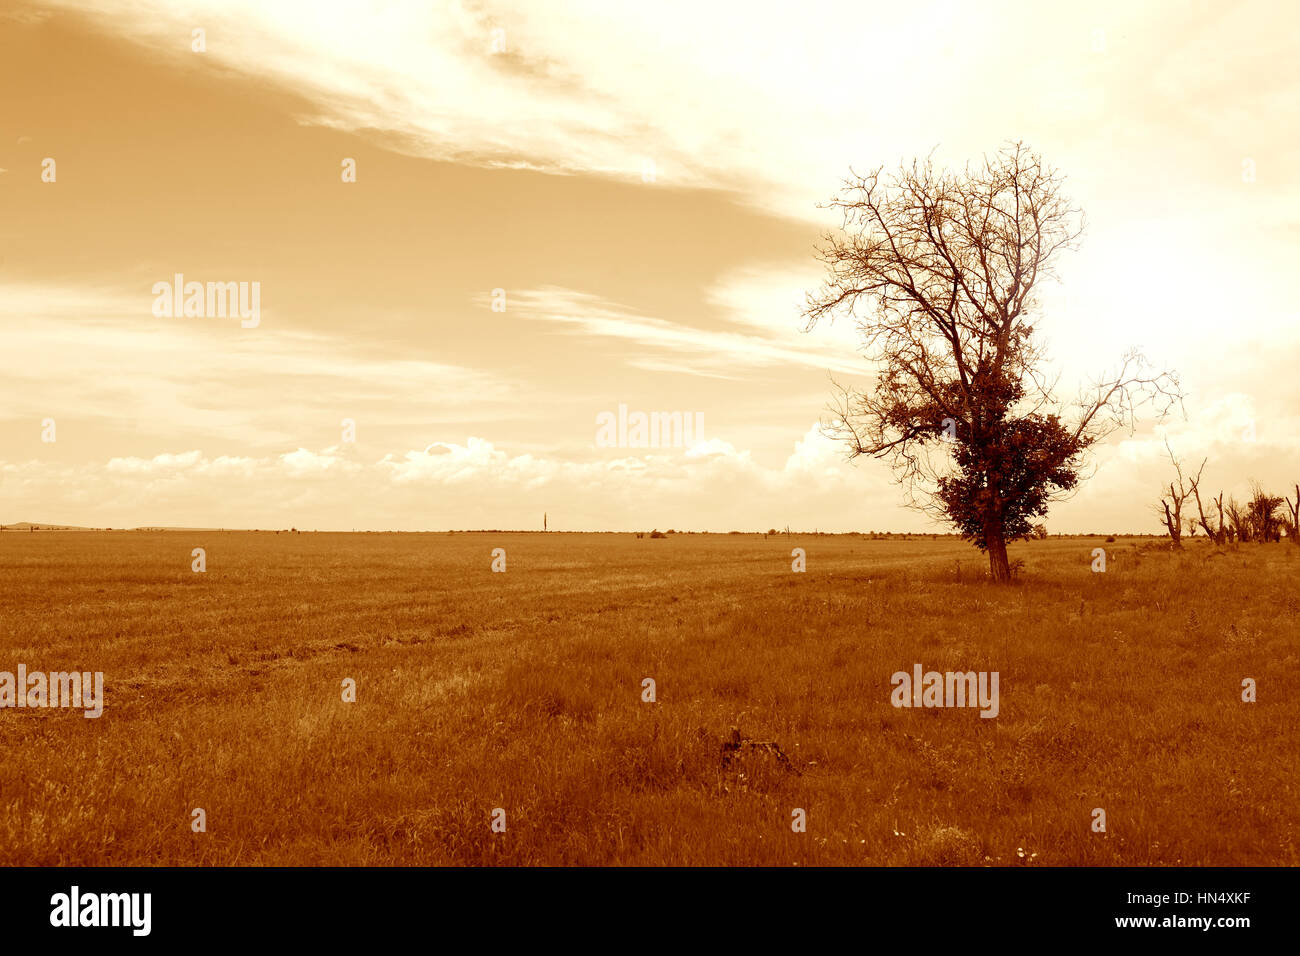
column 710, row 486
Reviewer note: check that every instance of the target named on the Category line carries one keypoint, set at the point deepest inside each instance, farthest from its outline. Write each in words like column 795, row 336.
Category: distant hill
column 29, row 525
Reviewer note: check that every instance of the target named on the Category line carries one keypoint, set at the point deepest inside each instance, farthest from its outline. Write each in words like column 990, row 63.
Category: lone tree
column 939, row 268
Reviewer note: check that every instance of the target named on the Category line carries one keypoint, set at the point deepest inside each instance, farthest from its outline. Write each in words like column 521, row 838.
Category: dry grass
column 523, row 690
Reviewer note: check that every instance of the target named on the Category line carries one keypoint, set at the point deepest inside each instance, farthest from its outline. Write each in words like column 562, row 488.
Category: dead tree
column 1217, row 532
column 1174, row 502
column 1293, row 523
column 1239, row 530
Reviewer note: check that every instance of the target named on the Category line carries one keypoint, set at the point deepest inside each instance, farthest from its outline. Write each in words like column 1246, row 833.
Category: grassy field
column 523, row 691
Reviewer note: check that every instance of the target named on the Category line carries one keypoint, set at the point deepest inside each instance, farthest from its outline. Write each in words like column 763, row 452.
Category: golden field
column 523, row 691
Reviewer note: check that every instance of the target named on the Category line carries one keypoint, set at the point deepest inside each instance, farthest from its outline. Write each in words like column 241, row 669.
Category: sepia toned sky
column 506, row 146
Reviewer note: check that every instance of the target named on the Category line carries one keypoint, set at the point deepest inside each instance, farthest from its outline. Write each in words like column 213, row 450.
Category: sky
column 564, row 208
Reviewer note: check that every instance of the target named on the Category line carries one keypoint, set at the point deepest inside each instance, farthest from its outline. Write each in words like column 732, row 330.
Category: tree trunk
column 1295, row 516
column 999, row 566
column 1173, row 524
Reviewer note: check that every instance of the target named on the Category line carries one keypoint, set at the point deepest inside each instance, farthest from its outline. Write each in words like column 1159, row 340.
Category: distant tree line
column 1261, row 517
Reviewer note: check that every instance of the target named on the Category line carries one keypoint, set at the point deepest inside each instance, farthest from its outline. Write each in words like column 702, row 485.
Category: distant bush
column 657, row 534
column 1110, row 539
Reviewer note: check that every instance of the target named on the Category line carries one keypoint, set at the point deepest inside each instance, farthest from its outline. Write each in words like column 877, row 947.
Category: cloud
column 180, row 376
column 164, row 464
column 303, row 463
column 1181, row 257
column 746, row 340
column 765, row 103
column 712, row 485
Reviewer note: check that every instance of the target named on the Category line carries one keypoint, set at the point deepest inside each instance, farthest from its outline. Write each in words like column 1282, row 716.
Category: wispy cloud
column 100, row 351
column 709, row 352
column 766, row 103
